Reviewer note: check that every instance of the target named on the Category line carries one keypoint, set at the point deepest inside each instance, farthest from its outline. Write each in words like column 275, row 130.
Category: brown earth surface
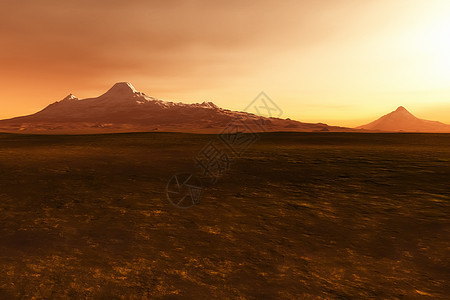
column 298, row 216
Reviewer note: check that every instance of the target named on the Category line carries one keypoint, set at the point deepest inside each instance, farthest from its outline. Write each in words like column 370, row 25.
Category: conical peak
column 122, row 89
column 69, row 97
column 401, row 108
column 401, row 111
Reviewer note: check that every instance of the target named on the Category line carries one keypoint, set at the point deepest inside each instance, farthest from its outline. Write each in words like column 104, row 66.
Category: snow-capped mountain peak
column 69, row 97
column 122, row 89
column 124, row 109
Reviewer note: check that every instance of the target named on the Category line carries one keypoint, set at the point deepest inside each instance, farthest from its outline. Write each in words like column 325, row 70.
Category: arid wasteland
column 225, row 149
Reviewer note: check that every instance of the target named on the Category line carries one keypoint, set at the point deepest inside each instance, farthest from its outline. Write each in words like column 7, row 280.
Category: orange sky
column 343, row 62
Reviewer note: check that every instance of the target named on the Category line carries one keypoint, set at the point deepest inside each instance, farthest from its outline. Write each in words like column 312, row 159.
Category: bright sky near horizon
column 341, row 62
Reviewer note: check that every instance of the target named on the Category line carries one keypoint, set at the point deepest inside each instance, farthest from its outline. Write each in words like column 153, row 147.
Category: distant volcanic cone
column 401, row 120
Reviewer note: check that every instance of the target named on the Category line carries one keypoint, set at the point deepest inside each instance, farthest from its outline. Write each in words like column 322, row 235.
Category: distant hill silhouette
column 402, row 120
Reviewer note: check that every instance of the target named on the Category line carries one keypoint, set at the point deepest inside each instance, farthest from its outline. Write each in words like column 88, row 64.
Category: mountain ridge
column 124, row 109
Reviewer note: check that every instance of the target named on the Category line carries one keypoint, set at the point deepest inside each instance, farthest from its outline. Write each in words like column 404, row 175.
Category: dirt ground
column 297, row 216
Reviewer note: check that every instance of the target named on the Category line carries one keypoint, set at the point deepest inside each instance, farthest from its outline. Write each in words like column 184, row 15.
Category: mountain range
column 124, row 109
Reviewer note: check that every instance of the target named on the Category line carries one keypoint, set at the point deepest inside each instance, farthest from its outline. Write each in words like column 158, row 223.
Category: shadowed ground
column 301, row 215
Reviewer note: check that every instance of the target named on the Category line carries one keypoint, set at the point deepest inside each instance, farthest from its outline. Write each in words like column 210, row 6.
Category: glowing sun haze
column 342, row 62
